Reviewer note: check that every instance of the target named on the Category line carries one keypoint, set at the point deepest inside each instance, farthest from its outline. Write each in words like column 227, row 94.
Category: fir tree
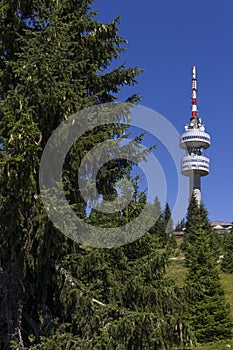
column 55, row 60
column 209, row 314
column 163, row 228
column 197, row 217
column 169, row 229
column 158, row 229
column 168, row 218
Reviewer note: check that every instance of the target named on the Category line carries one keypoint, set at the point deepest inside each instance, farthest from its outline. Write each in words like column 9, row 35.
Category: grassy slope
column 177, row 271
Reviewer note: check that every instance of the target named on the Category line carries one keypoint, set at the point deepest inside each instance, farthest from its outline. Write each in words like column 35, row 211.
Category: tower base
column 195, row 186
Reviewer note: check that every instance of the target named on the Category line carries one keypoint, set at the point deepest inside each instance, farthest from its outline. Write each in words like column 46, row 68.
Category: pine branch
column 72, row 283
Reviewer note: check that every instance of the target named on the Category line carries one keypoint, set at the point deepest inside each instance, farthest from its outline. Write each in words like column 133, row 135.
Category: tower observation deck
column 195, row 140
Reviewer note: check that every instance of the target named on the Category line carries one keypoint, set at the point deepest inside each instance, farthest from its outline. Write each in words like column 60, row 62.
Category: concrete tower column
column 195, row 186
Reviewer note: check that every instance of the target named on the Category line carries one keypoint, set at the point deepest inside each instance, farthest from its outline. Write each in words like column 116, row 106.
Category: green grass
column 220, row 345
column 177, row 271
column 227, row 282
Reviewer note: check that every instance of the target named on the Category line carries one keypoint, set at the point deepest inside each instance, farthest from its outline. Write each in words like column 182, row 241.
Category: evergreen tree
column 169, row 229
column 145, row 293
column 54, row 61
column 158, row 229
column 209, row 314
column 227, row 262
column 168, row 218
column 197, row 217
column 163, row 228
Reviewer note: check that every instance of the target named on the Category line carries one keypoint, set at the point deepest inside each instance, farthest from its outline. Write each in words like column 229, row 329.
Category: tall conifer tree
column 209, row 314
column 54, row 61
column 197, row 217
column 54, row 57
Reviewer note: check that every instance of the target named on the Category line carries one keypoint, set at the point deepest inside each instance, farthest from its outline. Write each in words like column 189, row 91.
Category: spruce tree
column 158, row 229
column 197, row 217
column 169, row 229
column 55, row 294
column 209, row 314
column 163, row 228
column 54, row 61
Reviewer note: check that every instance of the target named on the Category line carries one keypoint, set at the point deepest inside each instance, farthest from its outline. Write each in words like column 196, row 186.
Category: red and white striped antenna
column 194, row 93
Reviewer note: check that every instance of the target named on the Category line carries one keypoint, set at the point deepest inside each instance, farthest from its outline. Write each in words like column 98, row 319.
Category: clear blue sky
column 166, row 38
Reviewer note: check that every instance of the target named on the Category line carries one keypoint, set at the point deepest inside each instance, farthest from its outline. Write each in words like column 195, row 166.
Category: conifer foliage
column 209, row 314
column 197, row 217
column 53, row 61
column 55, row 294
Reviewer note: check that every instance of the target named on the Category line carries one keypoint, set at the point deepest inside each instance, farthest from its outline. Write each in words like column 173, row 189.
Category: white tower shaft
column 195, row 187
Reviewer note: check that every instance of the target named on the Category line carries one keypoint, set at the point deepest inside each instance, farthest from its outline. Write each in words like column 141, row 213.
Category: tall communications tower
column 195, row 140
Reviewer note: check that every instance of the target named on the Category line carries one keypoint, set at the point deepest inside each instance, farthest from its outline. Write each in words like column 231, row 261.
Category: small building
column 221, row 227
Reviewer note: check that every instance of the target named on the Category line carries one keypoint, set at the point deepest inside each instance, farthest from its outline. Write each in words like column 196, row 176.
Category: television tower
column 195, row 140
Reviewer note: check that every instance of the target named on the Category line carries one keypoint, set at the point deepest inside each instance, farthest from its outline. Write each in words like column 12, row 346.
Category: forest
column 55, row 293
